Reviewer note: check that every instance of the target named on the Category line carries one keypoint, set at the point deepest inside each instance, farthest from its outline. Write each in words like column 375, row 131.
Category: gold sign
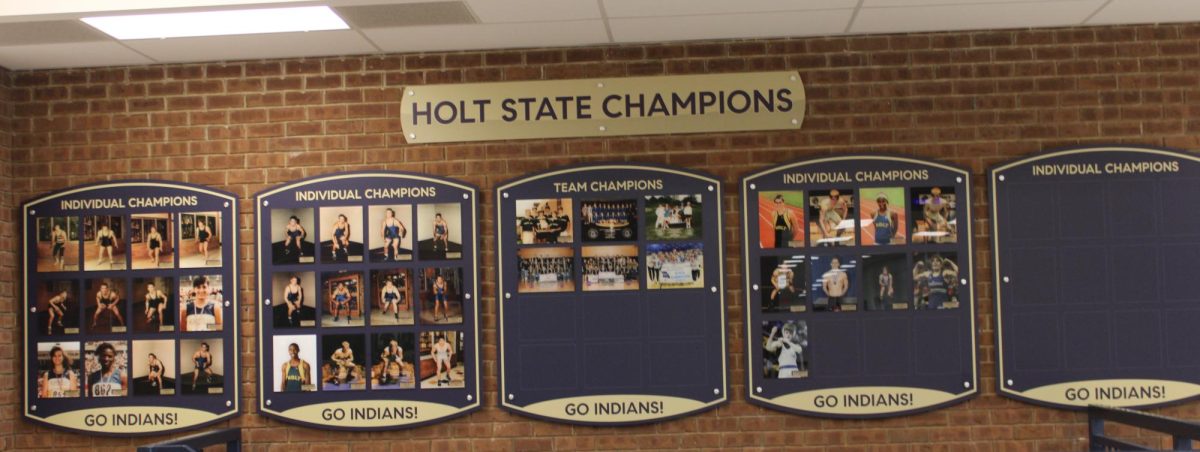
column 603, row 107
column 868, row 400
column 614, row 408
column 1124, row 393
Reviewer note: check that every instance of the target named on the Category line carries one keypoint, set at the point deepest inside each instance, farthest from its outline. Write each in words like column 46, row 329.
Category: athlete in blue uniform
column 341, row 237
column 203, row 361
column 341, row 300
column 885, row 221
column 393, row 232
column 294, row 296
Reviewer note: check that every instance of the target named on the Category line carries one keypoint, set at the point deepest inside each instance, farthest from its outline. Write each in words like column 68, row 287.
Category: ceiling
column 48, row 34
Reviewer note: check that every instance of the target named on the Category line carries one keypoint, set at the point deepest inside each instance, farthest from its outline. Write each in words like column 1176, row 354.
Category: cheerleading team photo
column 389, row 231
column 781, row 219
column 550, row 269
column 611, row 267
column 831, row 217
column 200, row 242
column 934, row 215
column 341, row 234
column 883, row 216
column 785, row 349
column 675, row 265
column 292, row 235
column 783, row 287
column 294, row 299
column 57, row 244
column 609, row 220
column 544, row 221
column 674, row 217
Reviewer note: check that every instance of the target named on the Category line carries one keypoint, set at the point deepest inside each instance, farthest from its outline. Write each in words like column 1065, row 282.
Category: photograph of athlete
column 345, row 368
column 439, row 231
column 393, row 241
column 831, row 217
column 291, row 240
column 200, row 239
column 783, row 288
column 781, row 219
column 156, row 305
column 57, row 375
column 675, row 265
column 609, row 220
column 57, row 249
column 444, row 350
column 884, row 217
column 56, row 306
column 936, row 281
column 296, row 373
column 342, row 299
column 202, row 303
column 784, row 348
column 393, row 368
column 341, row 234
column 935, row 215
column 294, row 356
column 207, row 357
column 835, row 283
column 152, row 367
column 108, row 304
column 886, row 282
column 105, row 366
column 292, row 302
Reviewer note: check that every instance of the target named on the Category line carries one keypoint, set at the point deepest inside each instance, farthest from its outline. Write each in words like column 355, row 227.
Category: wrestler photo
column 935, row 281
column 294, row 299
column 934, row 215
column 546, row 269
column 673, row 217
column 835, row 283
column 57, row 244
column 105, row 365
column 58, row 370
column 201, row 303
column 389, row 232
column 785, row 349
column 58, row 307
column 106, row 300
column 152, row 366
column 887, row 282
column 544, row 221
column 343, row 362
column 341, row 234
column 440, row 291
column 154, row 304
column 610, row 267
column 104, row 243
column 609, row 220
column 883, row 216
column 293, row 358
column 202, row 366
column 341, row 298
column 152, row 240
column 439, row 231
column 831, row 217
column 444, row 350
column 783, row 285
column 392, row 294
column 292, row 235
column 200, row 239
column 781, row 219
column 393, row 364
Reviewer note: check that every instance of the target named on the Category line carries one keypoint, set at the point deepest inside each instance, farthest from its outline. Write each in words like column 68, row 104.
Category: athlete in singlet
column 109, row 380
column 439, row 298
column 785, row 222
column 790, row 348
column 153, row 245
column 106, row 301
column 59, row 378
column 344, row 359
column 887, row 289
column 156, row 369
column 441, row 233
column 935, row 210
column 156, row 301
column 393, row 232
column 202, row 236
column 443, row 355
column 56, row 306
column 296, row 373
column 107, row 241
column 294, row 299
column 942, row 274
column 341, row 301
column 341, row 237
column 390, row 297
column 293, row 243
column 885, row 221
column 203, row 361
column 59, row 239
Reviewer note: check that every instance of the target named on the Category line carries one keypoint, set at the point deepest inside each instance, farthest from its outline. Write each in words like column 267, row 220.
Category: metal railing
column 230, row 437
column 1182, row 432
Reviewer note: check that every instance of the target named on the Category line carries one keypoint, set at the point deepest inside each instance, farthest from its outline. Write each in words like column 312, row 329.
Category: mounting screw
column 505, row 195
column 268, row 402
column 226, row 203
column 963, row 281
column 711, row 188
column 602, row 128
column 753, row 187
column 267, row 302
column 228, row 403
column 1001, row 177
column 266, row 203
column 507, row 295
column 466, row 196
column 1010, row 382
column 958, row 179
column 966, row 384
column 713, row 289
column 795, row 121
column 758, row 389
column 410, row 92
column 412, row 135
column 227, row 303
column 33, row 309
column 510, row 397
column 792, row 78
column 716, row 391
column 33, row 212
column 470, row 397
column 755, row 287
column 1005, row 279
column 600, row 85
column 467, row 296
column 33, row 408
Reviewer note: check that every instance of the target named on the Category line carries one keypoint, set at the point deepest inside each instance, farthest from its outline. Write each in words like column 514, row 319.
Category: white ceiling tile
column 973, row 17
column 650, row 8
column 497, row 11
column 886, row 3
column 246, row 47
column 1147, row 11
column 793, row 23
column 489, row 36
column 77, row 54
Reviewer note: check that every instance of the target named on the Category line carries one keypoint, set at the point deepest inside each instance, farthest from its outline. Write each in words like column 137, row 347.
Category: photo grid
column 136, row 328
column 814, row 257
column 362, row 304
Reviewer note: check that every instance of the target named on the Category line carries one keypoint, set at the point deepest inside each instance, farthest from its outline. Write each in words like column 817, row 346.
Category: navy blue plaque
column 368, row 314
column 130, row 308
column 1095, row 261
column 610, row 294
column 859, row 286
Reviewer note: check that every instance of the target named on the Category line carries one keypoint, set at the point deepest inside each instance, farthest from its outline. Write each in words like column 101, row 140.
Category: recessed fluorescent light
column 218, row 23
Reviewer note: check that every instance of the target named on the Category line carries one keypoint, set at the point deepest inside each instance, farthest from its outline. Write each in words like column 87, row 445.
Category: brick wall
column 972, row 99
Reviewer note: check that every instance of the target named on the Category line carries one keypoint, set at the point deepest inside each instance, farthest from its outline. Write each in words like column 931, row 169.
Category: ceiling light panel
column 218, row 23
